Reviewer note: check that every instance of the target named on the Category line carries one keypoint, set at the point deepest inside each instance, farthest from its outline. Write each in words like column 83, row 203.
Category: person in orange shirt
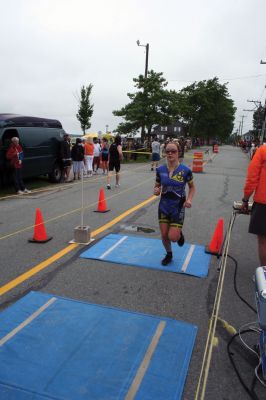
column 88, row 149
column 256, row 183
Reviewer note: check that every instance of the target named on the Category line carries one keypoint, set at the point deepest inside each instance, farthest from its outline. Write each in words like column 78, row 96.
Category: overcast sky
column 50, row 48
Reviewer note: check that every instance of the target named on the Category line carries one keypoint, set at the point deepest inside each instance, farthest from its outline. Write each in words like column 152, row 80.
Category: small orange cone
column 215, row 246
column 102, row 208
column 39, row 235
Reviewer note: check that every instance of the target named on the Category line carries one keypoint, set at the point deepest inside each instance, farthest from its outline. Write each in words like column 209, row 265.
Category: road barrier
column 215, row 148
column 197, row 164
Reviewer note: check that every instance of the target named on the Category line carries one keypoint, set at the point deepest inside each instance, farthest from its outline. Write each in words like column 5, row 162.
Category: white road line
column 113, row 247
column 27, row 321
column 188, row 258
column 145, row 362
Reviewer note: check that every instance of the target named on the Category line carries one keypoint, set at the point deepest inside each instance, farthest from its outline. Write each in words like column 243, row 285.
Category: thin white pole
column 82, row 199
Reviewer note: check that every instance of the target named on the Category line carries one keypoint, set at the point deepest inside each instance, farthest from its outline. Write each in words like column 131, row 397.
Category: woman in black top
column 115, row 157
column 77, row 155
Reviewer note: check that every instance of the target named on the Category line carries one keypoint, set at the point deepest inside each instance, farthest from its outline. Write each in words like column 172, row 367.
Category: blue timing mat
column 146, row 252
column 56, row 348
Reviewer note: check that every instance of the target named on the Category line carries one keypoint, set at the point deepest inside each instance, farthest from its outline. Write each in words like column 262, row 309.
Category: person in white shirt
column 155, row 156
column 96, row 155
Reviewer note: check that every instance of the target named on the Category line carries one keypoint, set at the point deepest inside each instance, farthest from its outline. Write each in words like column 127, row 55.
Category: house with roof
column 174, row 130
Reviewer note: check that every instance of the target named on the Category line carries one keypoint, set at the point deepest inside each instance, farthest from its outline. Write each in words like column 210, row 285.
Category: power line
column 222, row 79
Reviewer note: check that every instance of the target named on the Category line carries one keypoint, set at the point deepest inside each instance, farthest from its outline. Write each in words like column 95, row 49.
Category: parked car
column 40, row 139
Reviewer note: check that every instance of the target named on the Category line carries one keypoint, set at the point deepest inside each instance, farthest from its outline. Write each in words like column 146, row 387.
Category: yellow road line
column 33, row 271
column 74, row 211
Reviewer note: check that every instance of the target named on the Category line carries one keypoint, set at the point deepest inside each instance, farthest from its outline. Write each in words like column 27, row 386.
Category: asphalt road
column 154, row 292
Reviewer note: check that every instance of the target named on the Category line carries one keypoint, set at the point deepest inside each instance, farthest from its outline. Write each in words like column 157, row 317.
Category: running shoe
column 108, row 187
column 181, row 241
column 167, row 259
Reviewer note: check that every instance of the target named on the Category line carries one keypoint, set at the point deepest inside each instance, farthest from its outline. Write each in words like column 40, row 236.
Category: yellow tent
column 108, row 136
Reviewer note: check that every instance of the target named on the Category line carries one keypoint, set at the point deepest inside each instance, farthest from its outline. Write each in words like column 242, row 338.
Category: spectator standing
column 155, row 156
column 88, row 149
column 252, row 150
column 105, row 152
column 15, row 156
column 181, row 148
column 256, row 183
column 162, row 150
column 77, row 155
column 135, row 147
column 96, row 155
column 65, row 154
column 115, row 157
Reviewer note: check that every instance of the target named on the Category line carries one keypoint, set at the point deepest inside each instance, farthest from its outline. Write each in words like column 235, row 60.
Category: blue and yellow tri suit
column 173, row 196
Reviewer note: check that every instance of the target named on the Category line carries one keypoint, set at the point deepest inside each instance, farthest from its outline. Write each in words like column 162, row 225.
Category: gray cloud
column 50, row 48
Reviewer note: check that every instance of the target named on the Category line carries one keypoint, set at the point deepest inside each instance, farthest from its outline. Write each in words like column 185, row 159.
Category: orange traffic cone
column 102, row 208
column 215, row 246
column 39, row 235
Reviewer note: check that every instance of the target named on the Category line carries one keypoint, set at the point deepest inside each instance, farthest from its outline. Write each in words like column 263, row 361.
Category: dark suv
column 40, row 139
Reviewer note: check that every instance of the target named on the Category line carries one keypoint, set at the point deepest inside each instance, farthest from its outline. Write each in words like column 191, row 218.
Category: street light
column 147, row 56
column 146, row 74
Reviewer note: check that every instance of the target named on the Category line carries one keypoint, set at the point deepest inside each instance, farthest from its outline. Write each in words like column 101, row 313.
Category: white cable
column 242, row 340
column 257, row 375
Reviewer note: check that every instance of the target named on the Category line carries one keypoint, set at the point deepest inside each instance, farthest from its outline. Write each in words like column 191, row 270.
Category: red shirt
column 13, row 154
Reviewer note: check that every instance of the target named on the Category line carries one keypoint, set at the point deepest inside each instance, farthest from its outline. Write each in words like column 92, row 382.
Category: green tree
column 151, row 104
column 85, row 110
column 258, row 118
column 207, row 109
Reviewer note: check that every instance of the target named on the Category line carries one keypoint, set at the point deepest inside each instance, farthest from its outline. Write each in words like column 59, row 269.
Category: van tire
column 56, row 175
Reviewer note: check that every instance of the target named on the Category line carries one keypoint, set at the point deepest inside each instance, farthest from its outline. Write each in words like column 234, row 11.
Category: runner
column 105, row 151
column 115, row 156
column 155, row 156
column 171, row 179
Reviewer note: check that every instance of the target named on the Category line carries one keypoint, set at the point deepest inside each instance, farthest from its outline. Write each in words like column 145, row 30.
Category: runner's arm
column 191, row 192
column 157, row 185
column 119, row 149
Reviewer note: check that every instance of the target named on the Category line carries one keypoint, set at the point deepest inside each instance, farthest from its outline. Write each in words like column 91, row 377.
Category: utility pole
column 257, row 104
column 147, row 60
column 263, row 124
column 241, row 124
column 264, row 121
column 147, row 47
